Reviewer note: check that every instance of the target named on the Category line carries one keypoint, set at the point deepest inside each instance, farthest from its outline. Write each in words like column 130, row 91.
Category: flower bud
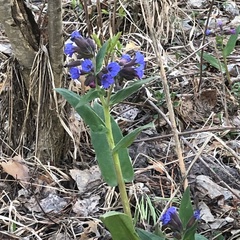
column 90, row 81
column 128, row 73
column 193, row 219
column 86, row 47
column 172, row 220
column 73, row 64
column 208, row 32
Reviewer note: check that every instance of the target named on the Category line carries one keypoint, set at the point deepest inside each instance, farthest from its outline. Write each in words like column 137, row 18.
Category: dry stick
column 114, row 17
column 89, row 25
column 158, row 51
column 216, row 129
column 99, row 21
column 203, row 41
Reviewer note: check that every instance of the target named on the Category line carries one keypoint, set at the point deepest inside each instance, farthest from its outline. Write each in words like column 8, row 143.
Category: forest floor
column 66, row 202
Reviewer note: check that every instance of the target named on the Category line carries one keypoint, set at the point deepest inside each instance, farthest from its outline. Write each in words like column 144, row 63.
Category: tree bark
column 41, row 71
column 19, row 24
column 55, row 34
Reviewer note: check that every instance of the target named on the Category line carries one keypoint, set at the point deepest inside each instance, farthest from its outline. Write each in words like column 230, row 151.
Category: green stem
column 116, row 161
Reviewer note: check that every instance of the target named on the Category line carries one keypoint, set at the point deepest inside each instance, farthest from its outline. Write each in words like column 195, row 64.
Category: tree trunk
column 41, row 70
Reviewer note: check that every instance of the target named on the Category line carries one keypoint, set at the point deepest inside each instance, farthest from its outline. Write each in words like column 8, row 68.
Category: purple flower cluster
column 127, row 67
column 220, row 30
column 171, row 219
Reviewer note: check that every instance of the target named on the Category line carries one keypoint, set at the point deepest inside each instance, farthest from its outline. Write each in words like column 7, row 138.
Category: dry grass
column 209, row 146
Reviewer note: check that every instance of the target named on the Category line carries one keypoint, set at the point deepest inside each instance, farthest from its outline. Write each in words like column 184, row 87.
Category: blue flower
column 139, row 72
column 208, row 32
column 75, row 72
column 171, row 219
column 125, row 58
column 107, row 80
column 219, row 23
column 113, row 69
column 196, row 214
column 69, row 49
column 167, row 216
column 194, row 219
column 139, row 59
column 87, row 65
column 75, row 34
column 232, row 31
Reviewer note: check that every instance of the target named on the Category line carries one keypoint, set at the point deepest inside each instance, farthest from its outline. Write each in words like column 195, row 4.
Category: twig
column 217, row 129
column 89, row 25
column 99, row 21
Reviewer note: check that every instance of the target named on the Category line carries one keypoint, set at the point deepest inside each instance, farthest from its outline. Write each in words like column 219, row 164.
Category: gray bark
column 19, row 26
column 55, row 34
column 51, row 140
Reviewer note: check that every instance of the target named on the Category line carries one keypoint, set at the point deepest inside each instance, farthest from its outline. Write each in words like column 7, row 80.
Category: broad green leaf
column 100, row 56
column 214, row 62
column 95, row 123
column 126, row 164
column 231, row 43
column 186, row 209
column 89, row 96
column 104, row 157
column 144, row 235
column 126, row 92
column 120, row 226
column 127, row 140
column 199, row 237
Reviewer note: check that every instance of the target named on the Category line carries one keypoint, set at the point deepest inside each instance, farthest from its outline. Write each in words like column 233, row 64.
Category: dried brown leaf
column 16, row 168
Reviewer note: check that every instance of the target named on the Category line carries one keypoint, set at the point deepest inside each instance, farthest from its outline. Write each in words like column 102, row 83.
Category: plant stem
column 116, row 161
column 227, row 72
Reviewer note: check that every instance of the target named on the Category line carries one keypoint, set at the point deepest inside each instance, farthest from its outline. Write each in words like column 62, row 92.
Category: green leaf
column 113, row 42
column 189, row 233
column 126, row 92
column 214, row 62
column 144, row 235
column 100, row 56
column 199, row 237
column 104, row 157
column 186, row 209
column 95, row 123
column 127, row 140
column 90, row 95
column 96, row 40
column 125, row 161
column 227, row 50
column 120, row 226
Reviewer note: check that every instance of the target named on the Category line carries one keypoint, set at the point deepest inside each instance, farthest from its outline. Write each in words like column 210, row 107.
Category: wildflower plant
column 225, row 50
column 102, row 69
column 182, row 223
